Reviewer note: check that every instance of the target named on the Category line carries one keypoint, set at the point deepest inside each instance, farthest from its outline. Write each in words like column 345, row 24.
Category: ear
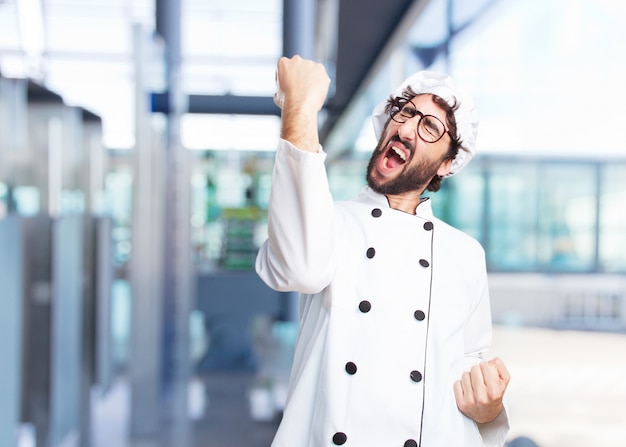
column 444, row 168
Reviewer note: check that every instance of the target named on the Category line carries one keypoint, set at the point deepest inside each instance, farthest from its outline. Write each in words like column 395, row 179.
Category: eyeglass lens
column 429, row 127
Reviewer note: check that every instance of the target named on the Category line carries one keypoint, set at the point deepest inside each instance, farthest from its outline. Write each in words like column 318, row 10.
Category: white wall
column 559, row 301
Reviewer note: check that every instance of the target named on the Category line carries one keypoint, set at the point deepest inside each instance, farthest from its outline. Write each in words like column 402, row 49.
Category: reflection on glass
column 512, row 216
column 27, row 200
column 541, row 216
column 567, row 217
column 612, row 236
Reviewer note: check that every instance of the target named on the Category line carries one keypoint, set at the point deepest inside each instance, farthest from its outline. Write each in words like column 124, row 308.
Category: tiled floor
column 567, row 387
column 226, row 421
column 567, row 390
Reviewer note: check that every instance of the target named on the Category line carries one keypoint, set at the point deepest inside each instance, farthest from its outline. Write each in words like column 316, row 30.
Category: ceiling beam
column 223, row 104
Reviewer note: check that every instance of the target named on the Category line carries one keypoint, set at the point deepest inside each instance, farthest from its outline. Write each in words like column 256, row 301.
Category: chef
column 394, row 307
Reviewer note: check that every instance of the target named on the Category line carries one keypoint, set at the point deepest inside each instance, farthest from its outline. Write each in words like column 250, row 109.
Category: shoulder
column 456, row 239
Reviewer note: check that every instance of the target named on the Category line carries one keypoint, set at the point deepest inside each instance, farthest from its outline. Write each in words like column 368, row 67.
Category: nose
column 408, row 129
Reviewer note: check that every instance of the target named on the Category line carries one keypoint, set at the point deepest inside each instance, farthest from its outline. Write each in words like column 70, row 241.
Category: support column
column 145, row 262
column 177, row 270
column 11, row 346
column 299, row 22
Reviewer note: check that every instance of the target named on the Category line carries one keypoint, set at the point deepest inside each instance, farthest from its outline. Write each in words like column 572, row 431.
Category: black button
column 416, row 376
column 377, row 212
column 424, row 263
column 365, row 306
column 339, row 438
column 419, row 315
column 410, row 443
column 428, row 226
column 371, row 252
column 351, row 368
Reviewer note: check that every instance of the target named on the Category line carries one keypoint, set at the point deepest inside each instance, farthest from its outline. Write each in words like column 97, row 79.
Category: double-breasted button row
column 415, row 375
column 377, row 212
column 340, row 438
column 371, row 252
column 365, row 306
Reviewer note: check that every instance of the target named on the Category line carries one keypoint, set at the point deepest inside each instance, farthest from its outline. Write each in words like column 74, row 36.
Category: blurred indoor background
column 136, row 149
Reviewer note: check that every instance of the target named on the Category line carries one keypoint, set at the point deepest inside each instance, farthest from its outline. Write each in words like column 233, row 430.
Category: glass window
column 230, row 191
column 612, row 237
column 4, row 200
column 511, row 241
column 540, row 216
column 567, row 217
column 460, row 202
column 347, row 177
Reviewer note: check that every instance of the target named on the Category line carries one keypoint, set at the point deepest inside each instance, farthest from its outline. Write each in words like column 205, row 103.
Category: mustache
column 396, row 139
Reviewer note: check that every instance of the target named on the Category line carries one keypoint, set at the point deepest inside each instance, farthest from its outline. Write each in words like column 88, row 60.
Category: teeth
column 400, row 153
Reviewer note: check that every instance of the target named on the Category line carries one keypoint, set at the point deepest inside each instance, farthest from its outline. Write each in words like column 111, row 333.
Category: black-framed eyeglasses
column 429, row 127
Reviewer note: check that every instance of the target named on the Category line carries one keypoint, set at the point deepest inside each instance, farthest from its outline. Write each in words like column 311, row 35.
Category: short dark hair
column 455, row 141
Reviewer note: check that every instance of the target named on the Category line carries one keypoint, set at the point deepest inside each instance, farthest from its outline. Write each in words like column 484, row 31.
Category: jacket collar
column 367, row 195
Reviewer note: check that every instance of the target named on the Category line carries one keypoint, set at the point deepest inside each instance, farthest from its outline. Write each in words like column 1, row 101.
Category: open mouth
column 394, row 157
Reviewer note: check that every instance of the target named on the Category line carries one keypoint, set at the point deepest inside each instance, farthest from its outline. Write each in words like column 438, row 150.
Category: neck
column 406, row 202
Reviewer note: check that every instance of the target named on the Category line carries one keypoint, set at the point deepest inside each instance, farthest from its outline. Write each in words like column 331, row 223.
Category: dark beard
column 413, row 178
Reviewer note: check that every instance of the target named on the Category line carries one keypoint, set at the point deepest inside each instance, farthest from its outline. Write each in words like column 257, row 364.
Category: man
column 394, row 310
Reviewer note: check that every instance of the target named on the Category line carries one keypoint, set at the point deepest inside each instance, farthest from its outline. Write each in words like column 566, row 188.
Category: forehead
column 425, row 104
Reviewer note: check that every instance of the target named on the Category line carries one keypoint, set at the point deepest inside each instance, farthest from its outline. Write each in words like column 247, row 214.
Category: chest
column 403, row 264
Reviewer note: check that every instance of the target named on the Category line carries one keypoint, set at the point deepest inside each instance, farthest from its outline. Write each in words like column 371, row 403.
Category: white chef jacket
column 394, row 308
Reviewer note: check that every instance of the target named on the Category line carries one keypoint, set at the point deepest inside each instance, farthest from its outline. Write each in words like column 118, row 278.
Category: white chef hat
column 444, row 86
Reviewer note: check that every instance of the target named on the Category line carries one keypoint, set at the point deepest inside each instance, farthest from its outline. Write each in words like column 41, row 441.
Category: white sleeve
column 477, row 330
column 494, row 433
column 298, row 253
column 478, row 333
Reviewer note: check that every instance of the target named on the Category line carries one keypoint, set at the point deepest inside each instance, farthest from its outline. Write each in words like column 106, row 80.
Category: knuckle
column 484, row 402
column 493, row 393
